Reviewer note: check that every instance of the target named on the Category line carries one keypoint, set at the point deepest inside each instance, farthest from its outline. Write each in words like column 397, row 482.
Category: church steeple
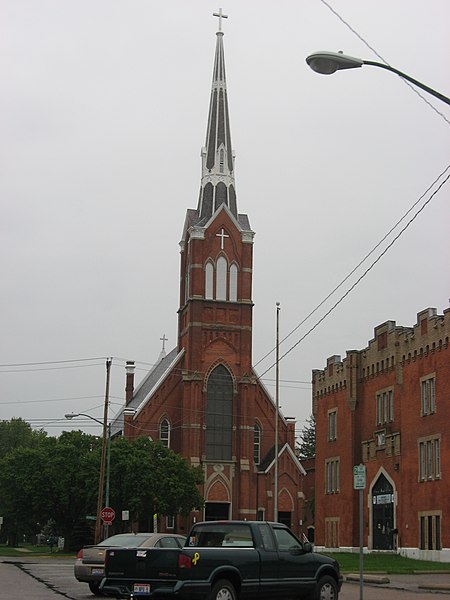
column 217, row 183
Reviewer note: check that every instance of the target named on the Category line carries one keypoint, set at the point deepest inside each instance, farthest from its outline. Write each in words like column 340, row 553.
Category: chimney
column 129, row 386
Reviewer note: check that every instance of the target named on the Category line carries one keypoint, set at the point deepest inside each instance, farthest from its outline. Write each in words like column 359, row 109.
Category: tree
column 17, row 433
column 307, row 446
column 148, row 478
column 55, row 479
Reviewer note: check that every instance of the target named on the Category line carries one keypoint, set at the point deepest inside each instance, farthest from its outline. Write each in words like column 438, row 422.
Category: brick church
column 203, row 399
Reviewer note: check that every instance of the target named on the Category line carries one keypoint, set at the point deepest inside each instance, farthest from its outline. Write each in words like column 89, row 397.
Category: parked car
column 90, row 561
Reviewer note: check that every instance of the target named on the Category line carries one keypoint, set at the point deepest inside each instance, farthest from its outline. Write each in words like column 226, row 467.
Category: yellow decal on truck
column 196, row 558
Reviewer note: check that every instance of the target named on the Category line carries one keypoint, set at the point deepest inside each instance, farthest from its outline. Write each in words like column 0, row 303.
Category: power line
column 363, row 275
column 52, row 362
column 359, row 36
column 358, row 265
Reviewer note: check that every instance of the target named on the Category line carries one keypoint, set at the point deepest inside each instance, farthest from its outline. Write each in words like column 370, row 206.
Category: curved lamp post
column 106, row 443
column 327, row 63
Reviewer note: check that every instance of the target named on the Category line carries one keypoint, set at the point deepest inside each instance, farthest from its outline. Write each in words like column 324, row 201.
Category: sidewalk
column 432, row 582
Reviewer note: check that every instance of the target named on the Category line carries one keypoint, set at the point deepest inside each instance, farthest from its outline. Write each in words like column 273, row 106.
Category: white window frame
column 163, row 437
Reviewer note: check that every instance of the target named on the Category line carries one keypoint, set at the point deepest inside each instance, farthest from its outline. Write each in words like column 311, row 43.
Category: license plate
column 141, row 588
column 97, row 571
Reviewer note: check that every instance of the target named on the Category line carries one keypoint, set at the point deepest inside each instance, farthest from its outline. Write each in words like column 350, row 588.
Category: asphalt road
column 52, row 579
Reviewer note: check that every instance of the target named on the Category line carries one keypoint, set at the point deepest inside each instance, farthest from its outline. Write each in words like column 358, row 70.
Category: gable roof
column 147, row 387
column 268, row 462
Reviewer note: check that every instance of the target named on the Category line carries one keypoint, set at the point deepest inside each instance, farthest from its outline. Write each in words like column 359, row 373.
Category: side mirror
column 307, row 547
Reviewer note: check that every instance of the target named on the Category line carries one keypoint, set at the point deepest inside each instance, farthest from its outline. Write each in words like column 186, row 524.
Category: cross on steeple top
column 164, row 340
column 221, row 16
column 222, row 236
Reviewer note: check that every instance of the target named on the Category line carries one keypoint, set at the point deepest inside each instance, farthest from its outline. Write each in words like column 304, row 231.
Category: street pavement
column 51, row 578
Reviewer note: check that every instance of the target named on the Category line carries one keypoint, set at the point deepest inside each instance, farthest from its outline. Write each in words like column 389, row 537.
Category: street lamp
column 105, row 436
column 108, row 454
column 327, row 63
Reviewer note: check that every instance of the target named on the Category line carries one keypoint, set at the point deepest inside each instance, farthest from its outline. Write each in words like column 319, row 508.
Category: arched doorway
column 383, row 514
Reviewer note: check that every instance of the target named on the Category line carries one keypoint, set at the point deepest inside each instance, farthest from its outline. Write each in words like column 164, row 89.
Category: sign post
column 359, row 483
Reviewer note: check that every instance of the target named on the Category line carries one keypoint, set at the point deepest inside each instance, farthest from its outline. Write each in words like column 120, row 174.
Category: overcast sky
column 103, row 109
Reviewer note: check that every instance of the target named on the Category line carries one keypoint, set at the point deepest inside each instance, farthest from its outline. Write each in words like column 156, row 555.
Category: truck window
column 218, row 535
column 266, row 537
column 285, row 540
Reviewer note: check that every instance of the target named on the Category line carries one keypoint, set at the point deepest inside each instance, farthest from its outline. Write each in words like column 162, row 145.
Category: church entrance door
column 217, row 511
column 383, row 514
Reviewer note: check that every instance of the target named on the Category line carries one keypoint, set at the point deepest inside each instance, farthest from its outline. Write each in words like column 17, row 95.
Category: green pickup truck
column 224, row 560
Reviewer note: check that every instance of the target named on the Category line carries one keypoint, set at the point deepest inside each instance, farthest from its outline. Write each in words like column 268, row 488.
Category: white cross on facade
column 164, row 340
column 222, row 236
column 221, row 16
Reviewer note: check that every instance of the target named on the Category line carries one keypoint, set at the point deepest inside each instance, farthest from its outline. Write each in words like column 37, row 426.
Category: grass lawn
column 386, row 563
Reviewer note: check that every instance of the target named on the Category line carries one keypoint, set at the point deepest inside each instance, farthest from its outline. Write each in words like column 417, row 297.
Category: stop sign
column 108, row 515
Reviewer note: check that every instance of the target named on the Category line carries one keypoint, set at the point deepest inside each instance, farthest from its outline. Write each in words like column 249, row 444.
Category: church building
column 203, row 399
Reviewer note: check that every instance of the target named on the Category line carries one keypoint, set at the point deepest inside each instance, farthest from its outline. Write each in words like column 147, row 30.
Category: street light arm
column 422, row 86
column 73, row 415
column 327, row 63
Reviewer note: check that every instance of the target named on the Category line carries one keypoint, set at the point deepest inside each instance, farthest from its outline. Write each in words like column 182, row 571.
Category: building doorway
column 217, row 511
column 383, row 514
column 284, row 517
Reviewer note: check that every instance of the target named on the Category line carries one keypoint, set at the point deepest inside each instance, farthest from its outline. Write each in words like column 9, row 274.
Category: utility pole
column 277, row 403
column 101, row 479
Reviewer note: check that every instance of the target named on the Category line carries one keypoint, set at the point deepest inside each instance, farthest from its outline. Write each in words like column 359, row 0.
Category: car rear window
column 124, row 540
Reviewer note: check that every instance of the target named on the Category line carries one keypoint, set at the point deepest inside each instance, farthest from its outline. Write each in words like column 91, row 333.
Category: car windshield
column 124, row 540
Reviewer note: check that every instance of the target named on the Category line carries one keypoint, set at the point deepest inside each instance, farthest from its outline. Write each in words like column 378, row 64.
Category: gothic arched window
column 164, row 433
column 221, row 278
column 219, row 414
column 257, row 444
column 233, row 283
column 209, row 278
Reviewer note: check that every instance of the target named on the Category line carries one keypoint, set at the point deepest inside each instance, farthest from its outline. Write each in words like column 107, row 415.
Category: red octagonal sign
column 108, row 515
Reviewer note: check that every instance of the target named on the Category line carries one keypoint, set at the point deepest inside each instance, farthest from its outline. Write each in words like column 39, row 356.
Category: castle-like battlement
column 391, row 347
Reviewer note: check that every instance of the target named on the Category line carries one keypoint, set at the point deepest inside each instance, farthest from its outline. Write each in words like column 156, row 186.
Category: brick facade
column 203, row 399
column 387, row 407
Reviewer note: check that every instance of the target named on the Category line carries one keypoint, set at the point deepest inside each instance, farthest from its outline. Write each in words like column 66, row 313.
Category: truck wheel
column 94, row 586
column 222, row 590
column 326, row 589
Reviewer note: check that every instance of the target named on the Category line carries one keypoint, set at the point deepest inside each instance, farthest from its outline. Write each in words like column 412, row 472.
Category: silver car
column 90, row 561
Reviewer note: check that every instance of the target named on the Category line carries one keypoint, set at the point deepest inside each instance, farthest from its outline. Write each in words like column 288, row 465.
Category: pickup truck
column 224, row 560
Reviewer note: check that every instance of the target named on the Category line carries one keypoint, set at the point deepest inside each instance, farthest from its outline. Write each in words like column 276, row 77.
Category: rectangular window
column 385, row 407
column 332, row 475
column 437, row 458
column 421, row 461
column 428, row 395
column 332, row 425
column 170, row 522
column 430, row 530
column 429, row 458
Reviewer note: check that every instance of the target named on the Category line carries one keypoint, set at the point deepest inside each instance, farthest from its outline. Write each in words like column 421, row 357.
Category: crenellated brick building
column 203, row 399
column 387, row 407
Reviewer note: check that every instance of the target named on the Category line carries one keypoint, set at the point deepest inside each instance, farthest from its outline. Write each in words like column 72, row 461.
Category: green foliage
column 48, row 479
column 17, row 433
column 146, row 478
column 54, row 478
column 307, row 446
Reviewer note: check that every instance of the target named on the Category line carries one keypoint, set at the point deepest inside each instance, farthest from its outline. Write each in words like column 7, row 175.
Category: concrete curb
column 441, row 587
column 375, row 579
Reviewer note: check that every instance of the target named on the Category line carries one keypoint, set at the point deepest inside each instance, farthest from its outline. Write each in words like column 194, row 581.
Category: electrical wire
column 362, row 276
column 359, row 36
column 361, row 262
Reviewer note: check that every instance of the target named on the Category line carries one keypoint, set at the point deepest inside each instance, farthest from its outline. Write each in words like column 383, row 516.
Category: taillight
column 80, row 553
column 184, row 561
